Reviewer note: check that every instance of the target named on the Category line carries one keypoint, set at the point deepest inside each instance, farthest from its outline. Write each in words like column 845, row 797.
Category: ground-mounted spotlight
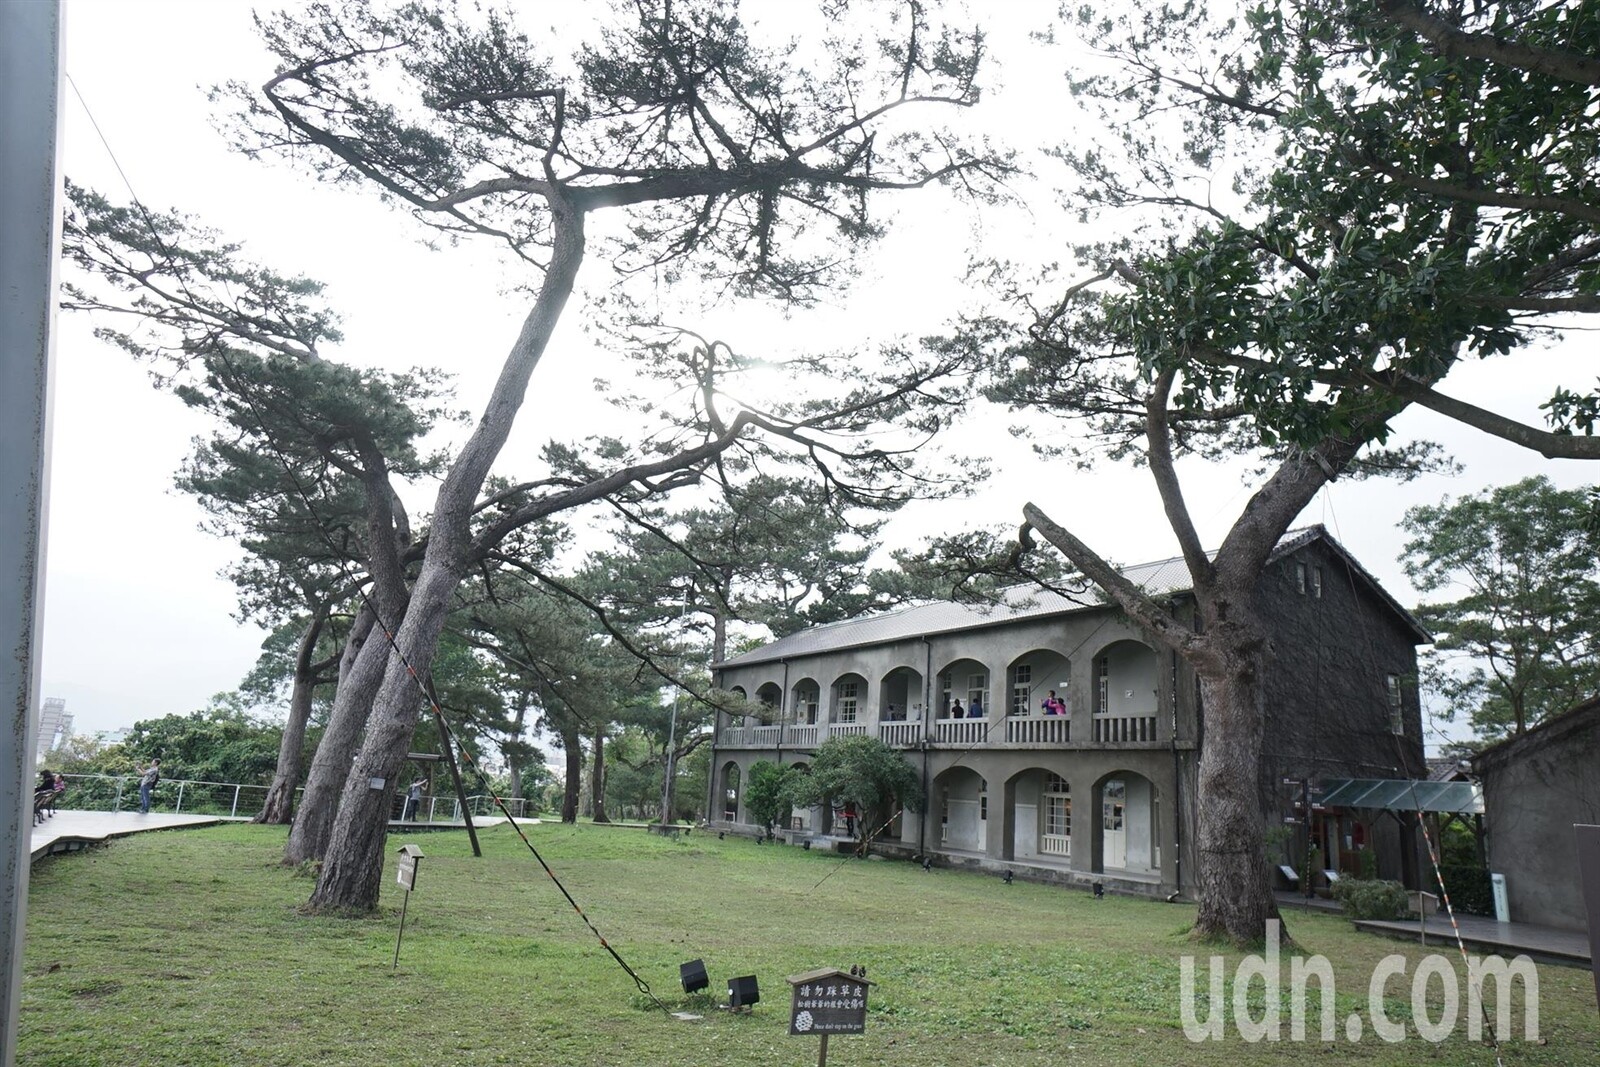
column 806, row 845
column 1099, row 891
column 743, row 992
column 721, row 834
column 927, row 864
column 693, row 976
column 1007, row 878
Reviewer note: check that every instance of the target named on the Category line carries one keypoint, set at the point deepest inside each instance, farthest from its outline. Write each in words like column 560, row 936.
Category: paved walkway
column 68, row 831
column 1540, row 942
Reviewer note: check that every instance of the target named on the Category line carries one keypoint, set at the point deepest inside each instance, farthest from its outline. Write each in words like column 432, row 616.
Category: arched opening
column 1128, row 824
column 847, row 706
column 729, row 791
column 963, row 685
column 1032, row 678
column 771, row 694
column 802, row 818
column 961, row 802
column 1039, row 817
column 807, row 698
column 900, row 696
column 1126, row 692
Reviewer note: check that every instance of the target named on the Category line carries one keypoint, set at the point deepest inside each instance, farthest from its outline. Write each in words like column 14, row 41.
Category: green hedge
column 1372, row 898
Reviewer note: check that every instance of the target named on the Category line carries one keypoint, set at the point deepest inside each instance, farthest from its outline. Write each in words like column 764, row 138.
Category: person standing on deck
column 148, row 777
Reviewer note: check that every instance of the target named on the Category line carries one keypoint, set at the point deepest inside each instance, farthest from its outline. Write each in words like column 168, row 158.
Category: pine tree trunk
column 360, row 673
column 352, row 867
column 1234, row 892
column 598, row 782
column 573, row 746
column 278, row 809
column 513, row 757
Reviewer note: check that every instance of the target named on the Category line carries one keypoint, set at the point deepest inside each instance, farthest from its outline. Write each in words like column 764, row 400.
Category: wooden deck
column 69, row 831
column 1543, row 943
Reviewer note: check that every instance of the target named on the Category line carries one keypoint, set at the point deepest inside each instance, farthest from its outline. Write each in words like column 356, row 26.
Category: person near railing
column 413, row 799
column 975, row 711
column 148, row 777
column 1054, row 705
column 956, row 711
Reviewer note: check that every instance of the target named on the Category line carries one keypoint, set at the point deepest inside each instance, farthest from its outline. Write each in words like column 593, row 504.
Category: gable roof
column 1022, row 602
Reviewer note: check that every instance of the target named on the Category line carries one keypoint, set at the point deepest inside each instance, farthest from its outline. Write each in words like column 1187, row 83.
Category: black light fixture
column 1099, row 891
column 721, row 834
column 693, row 976
column 1007, row 878
column 806, row 845
column 927, row 864
column 743, row 992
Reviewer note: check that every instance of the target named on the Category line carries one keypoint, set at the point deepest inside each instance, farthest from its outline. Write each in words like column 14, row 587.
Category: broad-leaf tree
column 1515, row 584
column 861, row 772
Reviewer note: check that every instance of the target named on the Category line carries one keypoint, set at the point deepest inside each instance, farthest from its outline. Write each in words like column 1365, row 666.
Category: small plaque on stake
column 828, row 1001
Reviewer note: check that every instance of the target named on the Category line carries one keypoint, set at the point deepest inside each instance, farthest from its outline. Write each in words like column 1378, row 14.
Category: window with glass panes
column 1057, row 806
column 1021, row 688
column 1397, row 721
column 848, row 698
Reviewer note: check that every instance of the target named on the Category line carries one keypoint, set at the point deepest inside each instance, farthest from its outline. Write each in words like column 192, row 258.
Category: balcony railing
column 900, row 734
column 1118, row 728
column 960, row 731
column 1039, row 729
column 801, row 736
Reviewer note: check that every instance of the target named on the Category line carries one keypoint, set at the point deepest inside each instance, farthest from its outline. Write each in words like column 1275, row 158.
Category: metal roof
column 944, row 616
column 1160, row 578
column 1402, row 794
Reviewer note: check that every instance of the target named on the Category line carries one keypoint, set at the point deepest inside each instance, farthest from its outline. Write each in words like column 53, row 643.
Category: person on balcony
column 956, row 710
column 976, row 710
column 1054, row 705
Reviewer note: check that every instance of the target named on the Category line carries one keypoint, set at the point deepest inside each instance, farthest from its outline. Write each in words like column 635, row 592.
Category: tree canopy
column 1520, row 637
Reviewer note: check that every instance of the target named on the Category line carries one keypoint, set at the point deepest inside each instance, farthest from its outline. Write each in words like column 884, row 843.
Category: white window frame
column 1056, row 800
column 849, row 701
column 1021, row 689
column 1396, row 698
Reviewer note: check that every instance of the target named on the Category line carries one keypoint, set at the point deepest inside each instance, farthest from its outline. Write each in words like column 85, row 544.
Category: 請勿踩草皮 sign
column 828, row 1001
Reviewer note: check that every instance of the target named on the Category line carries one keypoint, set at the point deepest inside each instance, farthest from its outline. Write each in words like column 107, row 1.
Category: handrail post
column 235, row 812
column 116, row 805
column 179, row 809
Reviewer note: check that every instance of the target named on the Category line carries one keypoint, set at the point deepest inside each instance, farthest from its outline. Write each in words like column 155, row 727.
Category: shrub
column 1469, row 888
column 1372, row 898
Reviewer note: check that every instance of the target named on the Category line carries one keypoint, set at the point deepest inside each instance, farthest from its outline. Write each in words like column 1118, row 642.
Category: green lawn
column 188, row 948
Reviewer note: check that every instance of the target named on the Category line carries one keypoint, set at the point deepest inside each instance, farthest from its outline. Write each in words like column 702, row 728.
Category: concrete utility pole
column 30, row 239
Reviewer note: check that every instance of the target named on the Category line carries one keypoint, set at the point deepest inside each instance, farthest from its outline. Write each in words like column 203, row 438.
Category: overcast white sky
column 136, row 622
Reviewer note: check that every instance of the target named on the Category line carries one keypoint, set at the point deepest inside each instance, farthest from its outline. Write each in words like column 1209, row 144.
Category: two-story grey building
column 1101, row 786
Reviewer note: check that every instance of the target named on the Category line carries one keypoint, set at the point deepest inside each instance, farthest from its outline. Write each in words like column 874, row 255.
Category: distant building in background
column 55, row 725
column 112, row 737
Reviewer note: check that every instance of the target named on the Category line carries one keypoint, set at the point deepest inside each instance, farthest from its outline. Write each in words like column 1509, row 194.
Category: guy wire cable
column 1427, row 838
column 366, row 599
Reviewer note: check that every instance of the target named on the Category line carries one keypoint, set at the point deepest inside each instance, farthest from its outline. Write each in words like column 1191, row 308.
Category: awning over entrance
column 1400, row 794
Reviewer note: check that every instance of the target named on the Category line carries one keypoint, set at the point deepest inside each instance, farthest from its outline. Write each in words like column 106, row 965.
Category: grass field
column 189, row 948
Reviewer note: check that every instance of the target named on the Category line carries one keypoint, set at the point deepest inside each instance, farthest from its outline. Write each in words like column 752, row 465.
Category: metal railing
column 119, row 792
column 180, row 796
